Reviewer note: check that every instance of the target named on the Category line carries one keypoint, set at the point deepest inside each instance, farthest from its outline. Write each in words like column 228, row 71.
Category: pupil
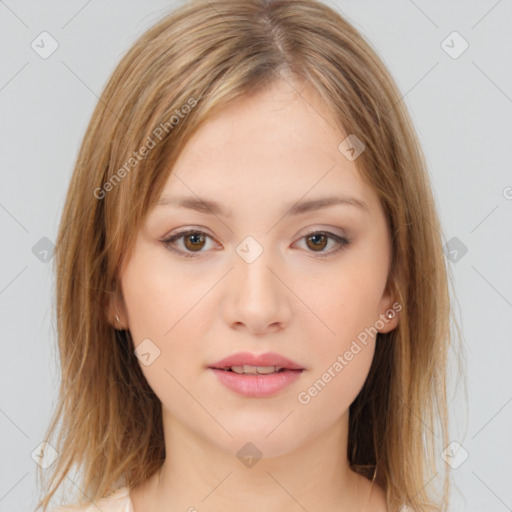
column 314, row 237
column 194, row 237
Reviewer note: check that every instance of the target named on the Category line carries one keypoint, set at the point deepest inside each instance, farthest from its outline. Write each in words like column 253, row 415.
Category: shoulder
column 118, row 501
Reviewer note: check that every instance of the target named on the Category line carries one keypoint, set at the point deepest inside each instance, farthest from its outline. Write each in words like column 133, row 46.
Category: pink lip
column 257, row 386
column 267, row 359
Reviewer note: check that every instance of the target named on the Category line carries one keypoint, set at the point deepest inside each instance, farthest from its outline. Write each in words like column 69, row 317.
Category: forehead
column 278, row 145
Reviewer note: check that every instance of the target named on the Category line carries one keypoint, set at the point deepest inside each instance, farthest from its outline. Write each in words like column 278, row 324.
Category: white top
column 118, row 501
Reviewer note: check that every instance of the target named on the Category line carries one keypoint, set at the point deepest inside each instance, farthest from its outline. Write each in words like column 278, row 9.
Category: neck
column 206, row 476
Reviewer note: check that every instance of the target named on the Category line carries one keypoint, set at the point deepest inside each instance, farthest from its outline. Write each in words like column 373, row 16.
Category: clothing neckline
column 123, row 492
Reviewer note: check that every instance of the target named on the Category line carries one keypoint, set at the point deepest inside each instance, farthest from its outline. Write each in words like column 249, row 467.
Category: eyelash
column 343, row 242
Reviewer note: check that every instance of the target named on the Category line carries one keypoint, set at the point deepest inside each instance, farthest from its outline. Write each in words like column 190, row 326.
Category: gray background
column 462, row 109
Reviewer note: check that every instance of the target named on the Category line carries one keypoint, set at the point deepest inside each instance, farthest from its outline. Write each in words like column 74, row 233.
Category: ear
column 389, row 309
column 116, row 312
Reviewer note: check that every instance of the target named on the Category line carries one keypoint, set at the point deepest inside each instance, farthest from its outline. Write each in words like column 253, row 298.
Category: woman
column 252, row 299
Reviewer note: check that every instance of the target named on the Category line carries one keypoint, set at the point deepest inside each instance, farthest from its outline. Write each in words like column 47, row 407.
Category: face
column 258, row 277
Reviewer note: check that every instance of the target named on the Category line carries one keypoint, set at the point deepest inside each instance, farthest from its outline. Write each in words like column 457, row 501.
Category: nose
column 257, row 297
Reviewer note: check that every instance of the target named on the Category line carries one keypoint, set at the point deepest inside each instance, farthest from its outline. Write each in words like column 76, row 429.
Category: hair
column 183, row 70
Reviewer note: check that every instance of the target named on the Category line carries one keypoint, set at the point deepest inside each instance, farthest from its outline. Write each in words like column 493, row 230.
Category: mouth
column 256, row 375
column 263, row 364
column 256, row 370
column 256, row 381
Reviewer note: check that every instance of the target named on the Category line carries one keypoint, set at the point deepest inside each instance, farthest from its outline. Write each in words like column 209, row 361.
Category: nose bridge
column 257, row 295
column 252, row 268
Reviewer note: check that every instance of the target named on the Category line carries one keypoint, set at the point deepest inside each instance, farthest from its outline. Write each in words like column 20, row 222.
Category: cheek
column 345, row 306
column 158, row 301
column 162, row 328
column 342, row 332
column 163, row 311
column 342, row 358
column 328, row 394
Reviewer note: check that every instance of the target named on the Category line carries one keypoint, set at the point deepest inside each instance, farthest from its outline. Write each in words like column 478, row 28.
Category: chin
column 264, row 442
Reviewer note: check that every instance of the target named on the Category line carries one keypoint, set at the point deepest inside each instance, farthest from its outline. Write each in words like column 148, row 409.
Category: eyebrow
column 211, row 207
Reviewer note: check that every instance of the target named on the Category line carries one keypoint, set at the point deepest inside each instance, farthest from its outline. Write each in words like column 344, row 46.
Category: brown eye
column 318, row 241
column 194, row 241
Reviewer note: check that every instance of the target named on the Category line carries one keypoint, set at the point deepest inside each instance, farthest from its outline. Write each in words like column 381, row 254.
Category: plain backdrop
column 460, row 100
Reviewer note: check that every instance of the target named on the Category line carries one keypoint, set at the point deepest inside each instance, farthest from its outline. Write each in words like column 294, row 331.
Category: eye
column 194, row 242
column 319, row 239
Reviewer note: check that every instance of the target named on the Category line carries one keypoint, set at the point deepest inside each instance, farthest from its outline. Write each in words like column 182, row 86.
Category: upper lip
column 267, row 359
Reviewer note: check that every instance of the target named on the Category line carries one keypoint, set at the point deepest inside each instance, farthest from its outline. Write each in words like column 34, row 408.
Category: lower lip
column 257, row 386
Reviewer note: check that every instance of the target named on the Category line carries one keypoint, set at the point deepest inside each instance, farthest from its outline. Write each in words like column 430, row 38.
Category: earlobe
column 390, row 316
column 115, row 317
column 390, row 319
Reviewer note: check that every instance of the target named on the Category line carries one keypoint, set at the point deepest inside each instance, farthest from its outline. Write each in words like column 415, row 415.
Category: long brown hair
column 182, row 71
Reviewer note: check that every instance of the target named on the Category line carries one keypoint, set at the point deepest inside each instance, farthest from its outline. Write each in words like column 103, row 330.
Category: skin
column 263, row 152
